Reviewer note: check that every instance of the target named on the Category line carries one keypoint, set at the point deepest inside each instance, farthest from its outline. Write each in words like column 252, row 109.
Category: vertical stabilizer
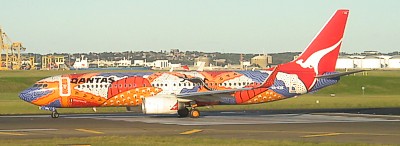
column 321, row 54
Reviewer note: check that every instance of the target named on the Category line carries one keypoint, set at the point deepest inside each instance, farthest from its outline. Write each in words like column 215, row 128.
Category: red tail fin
column 322, row 53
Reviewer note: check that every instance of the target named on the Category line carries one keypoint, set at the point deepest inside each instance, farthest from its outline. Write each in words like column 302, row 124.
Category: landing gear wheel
column 183, row 112
column 194, row 113
column 55, row 114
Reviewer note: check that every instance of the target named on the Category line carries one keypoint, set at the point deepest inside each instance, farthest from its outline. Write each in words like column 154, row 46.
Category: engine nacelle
column 160, row 104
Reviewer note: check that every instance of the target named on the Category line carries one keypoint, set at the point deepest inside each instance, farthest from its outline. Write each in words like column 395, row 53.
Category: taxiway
column 317, row 126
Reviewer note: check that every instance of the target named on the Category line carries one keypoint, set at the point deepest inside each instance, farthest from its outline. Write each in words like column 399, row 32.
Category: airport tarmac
column 297, row 125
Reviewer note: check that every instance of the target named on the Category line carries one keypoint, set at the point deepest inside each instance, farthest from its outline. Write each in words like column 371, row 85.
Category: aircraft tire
column 194, row 113
column 55, row 115
column 183, row 112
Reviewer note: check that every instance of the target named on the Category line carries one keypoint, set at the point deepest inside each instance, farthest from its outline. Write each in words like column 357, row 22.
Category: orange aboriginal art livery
column 175, row 92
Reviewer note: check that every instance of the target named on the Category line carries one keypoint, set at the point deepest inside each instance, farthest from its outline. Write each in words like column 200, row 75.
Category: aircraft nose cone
column 33, row 93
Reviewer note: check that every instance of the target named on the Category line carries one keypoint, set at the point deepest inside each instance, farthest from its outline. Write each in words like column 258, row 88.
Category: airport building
column 368, row 62
column 344, row 62
column 262, row 61
column 394, row 62
column 159, row 64
column 123, row 63
column 201, row 60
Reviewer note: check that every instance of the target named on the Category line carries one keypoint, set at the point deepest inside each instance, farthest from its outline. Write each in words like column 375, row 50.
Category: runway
column 278, row 125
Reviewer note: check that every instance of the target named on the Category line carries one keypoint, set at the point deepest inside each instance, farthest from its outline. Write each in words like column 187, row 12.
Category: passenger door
column 65, row 86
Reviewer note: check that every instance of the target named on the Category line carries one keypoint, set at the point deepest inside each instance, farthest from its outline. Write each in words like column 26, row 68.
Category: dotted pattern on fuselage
column 128, row 89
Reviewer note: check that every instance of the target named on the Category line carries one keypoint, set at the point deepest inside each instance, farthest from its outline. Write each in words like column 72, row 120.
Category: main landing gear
column 193, row 112
column 184, row 112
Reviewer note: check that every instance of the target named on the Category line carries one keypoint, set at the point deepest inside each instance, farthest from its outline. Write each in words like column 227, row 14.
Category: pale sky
column 245, row 26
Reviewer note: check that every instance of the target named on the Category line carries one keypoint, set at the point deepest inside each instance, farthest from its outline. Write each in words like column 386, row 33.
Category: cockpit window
column 40, row 85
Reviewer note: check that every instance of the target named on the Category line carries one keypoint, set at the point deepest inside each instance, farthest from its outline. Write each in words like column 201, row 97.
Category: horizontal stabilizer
column 339, row 74
column 271, row 78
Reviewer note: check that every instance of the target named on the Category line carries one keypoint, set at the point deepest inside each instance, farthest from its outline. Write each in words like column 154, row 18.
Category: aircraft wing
column 208, row 95
column 339, row 74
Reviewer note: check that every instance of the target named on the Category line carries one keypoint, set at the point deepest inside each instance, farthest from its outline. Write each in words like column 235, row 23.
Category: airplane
column 183, row 91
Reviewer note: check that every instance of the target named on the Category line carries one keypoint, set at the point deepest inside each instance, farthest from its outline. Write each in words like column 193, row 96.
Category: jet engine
column 160, row 104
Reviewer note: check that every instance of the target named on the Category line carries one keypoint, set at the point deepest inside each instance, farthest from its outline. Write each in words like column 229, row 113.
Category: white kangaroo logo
column 313, row 60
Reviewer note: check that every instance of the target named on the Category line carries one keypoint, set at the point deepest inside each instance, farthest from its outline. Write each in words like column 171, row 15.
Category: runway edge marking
column 89, row 131
column 190, row 132
column 14, row 134
column 25, row 130
column 321, row 135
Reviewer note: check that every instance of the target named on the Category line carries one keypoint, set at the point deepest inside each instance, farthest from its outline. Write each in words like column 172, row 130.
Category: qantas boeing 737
column 182, row 92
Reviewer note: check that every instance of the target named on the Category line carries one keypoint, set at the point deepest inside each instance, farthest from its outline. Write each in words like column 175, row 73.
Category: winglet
column 271, row 78
column 185, row 67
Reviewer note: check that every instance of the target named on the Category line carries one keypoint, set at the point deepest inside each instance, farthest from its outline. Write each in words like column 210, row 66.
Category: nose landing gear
column 54, row 113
